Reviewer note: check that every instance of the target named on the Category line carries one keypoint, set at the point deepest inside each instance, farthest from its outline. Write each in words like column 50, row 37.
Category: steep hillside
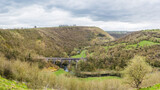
column 25, row 44
column 116, row 54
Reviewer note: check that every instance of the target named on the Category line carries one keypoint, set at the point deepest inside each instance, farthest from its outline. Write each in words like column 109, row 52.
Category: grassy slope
column 120, row 51
column 49, row 42
column 135, row 37
column 142, row 44
column 11, row 85
column 131, row 46
column 148, row 43
column 140, row 38
column 144, row 38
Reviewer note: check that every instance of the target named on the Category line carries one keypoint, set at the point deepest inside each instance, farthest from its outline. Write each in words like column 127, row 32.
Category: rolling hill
column 48, row 42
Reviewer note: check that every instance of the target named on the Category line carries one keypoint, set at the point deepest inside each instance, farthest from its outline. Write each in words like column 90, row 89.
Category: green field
column 131, row 46
column 11, row 85
column 155, row 87
column 99, row 78
column 142, row 44
column 81, row 55
column 147, row 43
column 59, row 72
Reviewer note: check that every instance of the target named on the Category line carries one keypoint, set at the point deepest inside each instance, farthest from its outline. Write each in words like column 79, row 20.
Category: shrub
column 26, row 72
column 136, row 71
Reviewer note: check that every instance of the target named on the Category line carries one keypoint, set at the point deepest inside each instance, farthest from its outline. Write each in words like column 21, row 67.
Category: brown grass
column 36, row 78
column 151, row 79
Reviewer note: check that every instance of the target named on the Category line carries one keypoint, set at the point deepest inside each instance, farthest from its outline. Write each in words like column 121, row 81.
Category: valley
column 79, row 45
column 23, row 55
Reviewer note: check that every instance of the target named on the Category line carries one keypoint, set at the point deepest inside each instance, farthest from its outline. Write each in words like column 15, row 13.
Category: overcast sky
column 107, row 14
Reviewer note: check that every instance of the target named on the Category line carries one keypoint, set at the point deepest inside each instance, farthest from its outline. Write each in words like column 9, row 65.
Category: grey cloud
column 100, row 10
column 117, row 10
column 128, row 11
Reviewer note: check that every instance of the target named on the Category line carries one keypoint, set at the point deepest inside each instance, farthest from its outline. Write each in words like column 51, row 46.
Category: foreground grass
column 155, row 87
column 11, row 85
column 38, row 79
